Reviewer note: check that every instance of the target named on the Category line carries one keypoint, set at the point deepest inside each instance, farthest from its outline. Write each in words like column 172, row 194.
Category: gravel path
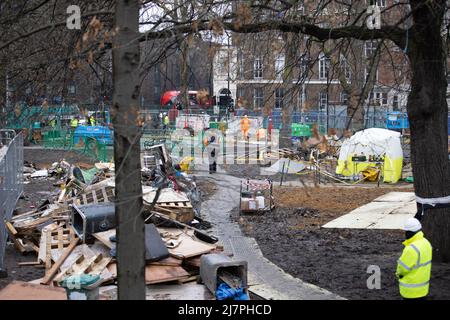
column 265, row 278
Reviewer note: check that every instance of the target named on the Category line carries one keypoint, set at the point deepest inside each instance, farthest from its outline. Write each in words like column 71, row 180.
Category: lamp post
column 228, row 76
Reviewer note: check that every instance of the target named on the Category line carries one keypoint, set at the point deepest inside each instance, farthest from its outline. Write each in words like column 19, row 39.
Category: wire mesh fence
column 11, row 180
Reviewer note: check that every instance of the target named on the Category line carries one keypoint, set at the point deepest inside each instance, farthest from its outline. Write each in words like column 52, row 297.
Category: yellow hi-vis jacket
column 414, row 267
column 74, row 123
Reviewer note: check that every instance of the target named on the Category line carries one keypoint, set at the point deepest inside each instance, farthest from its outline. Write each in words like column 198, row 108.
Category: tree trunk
column 125, row 112
column 427, row 113
column 291, row 43
column 355, row 111
column 184, row 76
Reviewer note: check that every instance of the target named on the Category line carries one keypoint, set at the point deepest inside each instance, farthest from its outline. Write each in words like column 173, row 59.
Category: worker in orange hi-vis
column 245, row 126
column 269, row 129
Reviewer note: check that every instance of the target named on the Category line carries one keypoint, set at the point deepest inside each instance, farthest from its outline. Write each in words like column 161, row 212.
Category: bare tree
column 125, row 112
column 416, row 27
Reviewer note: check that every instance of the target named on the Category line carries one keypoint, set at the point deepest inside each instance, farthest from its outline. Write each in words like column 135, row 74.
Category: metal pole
column 282, row 174
column 228, row 71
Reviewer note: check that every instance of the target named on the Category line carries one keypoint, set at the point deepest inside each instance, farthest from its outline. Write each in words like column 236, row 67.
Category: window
column 370, row 47
column 379, row 3
column 71, row 89
column 395, row 103
column 258, row 98
column 279, row 95
column 323, row 100
column 324, row 66
column 346, row 68
column 258, row 69
column 378, row 98
column 279, row 66
column 240, row 92
column 344, row 98
column 384, row 99
column 304, row 67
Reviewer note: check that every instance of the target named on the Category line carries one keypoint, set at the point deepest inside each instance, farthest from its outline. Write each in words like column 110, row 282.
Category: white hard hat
column 412, row 224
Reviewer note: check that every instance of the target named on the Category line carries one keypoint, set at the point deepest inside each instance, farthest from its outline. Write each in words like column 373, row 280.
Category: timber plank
column 54, row 269
column 18, row 290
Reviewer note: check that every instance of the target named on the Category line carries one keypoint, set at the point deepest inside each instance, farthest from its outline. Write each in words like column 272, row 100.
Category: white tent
column 372, row 142
column 289, row 166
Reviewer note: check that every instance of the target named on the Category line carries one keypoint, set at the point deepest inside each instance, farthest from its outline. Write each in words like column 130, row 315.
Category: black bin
column 92, row 218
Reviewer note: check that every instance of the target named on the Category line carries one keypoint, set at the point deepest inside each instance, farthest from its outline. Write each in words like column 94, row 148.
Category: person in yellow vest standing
column 73, row 124
column 166, row 121
column 52, row 122
column 414, row 266
column 92, row 120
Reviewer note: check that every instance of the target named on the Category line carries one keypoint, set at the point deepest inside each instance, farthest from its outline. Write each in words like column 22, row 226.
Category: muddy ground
column 335, row 259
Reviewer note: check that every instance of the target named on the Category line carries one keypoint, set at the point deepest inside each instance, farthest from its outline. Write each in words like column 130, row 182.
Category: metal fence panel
column 11, row 180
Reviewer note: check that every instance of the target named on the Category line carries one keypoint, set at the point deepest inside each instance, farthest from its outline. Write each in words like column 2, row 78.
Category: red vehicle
column 196, row 99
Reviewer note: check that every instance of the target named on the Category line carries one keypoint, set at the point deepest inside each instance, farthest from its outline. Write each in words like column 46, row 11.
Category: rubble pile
column 73, row 234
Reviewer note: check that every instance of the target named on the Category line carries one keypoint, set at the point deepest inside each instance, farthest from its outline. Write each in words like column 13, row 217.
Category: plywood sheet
column 104, row 236
column 386, row 212
column 390, row 221
column 158, row 274
column 191, row 291
column 189, row 246
column 167, row 195
column 18, row 290
column 396, row 197
column 170, row 261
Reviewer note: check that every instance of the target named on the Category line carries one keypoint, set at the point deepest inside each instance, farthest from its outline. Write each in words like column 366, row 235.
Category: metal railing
column 11, row 180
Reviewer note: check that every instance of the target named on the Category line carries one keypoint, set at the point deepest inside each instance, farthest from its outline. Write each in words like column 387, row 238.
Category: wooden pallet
column 102, row 195
column 58, row 238
column 179, row 205
column 181, row 216
column 93, row 266
column 181, row 211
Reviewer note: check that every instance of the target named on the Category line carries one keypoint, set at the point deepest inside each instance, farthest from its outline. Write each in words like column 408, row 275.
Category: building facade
column 265, row 73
